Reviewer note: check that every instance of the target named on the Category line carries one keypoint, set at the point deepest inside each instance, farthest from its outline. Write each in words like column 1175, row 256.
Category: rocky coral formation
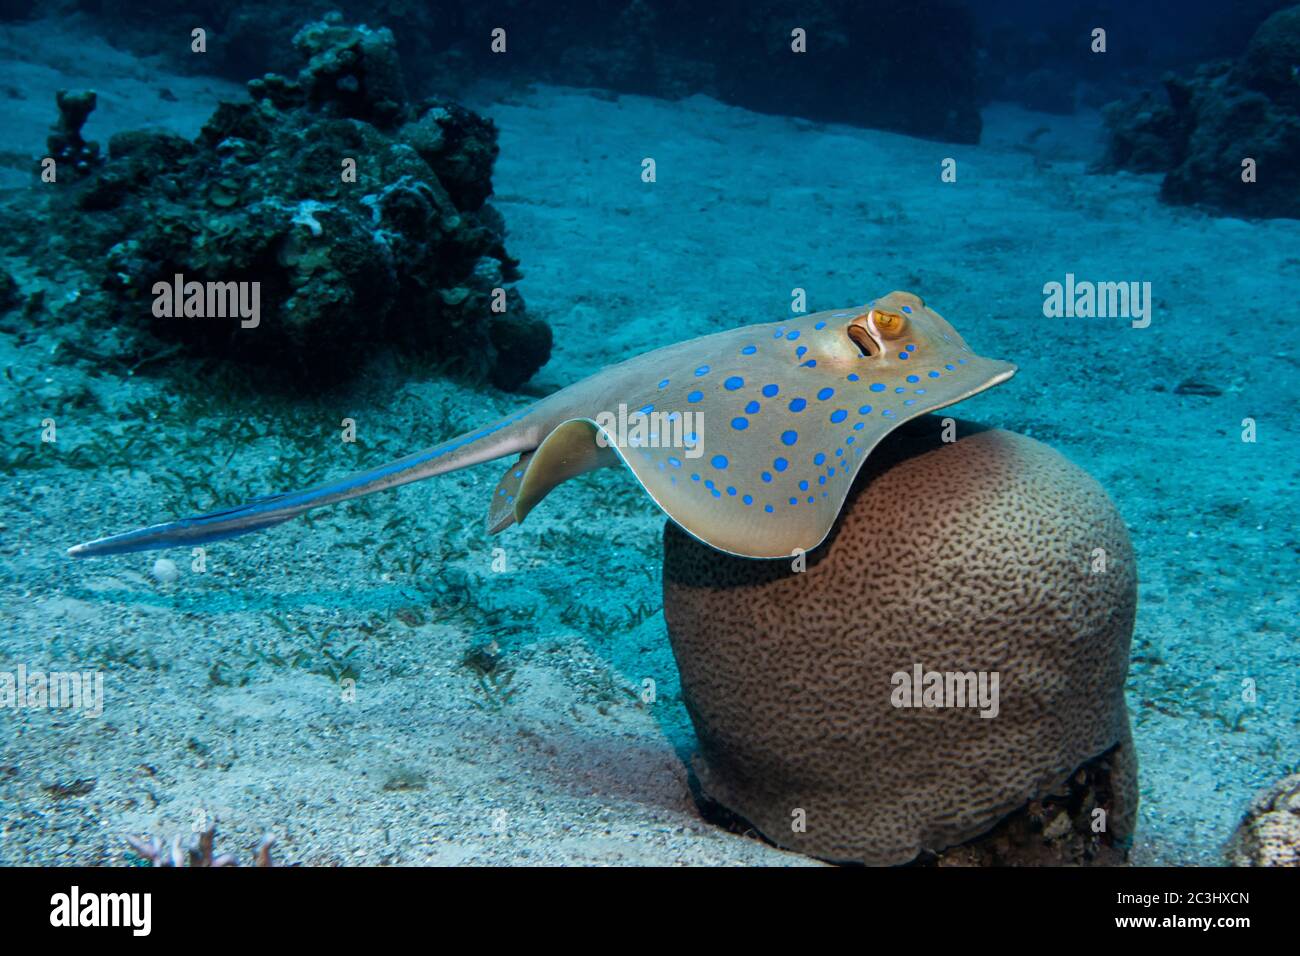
column 200, row 851
column 346, row 215
column 1210, row 127
column 989, row 555
column 1269, row 833
column 65, row 143
column 861, row 64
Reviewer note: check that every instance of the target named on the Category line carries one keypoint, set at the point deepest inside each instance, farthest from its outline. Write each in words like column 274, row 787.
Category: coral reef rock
column 1269, row 834
column 822, row 700
column 361, row 218
column 1209, row 125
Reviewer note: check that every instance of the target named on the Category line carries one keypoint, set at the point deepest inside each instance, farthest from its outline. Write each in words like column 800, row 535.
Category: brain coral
column 978, row 555
column 1269, row 834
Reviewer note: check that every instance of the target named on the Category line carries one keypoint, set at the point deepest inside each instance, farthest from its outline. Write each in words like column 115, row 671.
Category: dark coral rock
column 352, row 71
column 1272, row 61
column 65, row 143
column 1211, row 124
column 361, row 219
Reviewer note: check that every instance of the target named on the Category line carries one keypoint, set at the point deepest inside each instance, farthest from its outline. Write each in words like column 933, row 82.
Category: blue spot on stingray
column 812, row 500
column 718, row 461
column 740, row 424
column 778, row 333
column 646, row 409
column 830, row 472
column 695, row 477
column 811, row 363
column 675, row 462
column 877, row 387
column 888, row 413
column 847, row 441
column 839, row 415
column 798, row 405
column 733, row 383
column 793, row 335
column 920, row 391
column 914, row 379
column 664, row 383
column 859, row 426
column 961, row 361
column 749, row 350
column 803, row 486
column 769, row 391
column 824, row 394
column 909, row 401
column 903, row 355
column 794, row 501
column 501, row 492
column 519, row 474
column 907, row 309
column 767, row 508
column 695, row 396
column 708, row 483
column 692, row 438
column 731, row 491
column 780, row 464
column 820, row 325
column 752, row 408
column 790, row 437
column 911, row 348
column 821, row 480
column 853, row 376
column 839, row 452
column 702, row 370
column 819, row 458
column 748, row 499
column 934, row 374
column 800, row 351
column 717, row 493
column 767, row 476
column 864, row 410
column 900, row 390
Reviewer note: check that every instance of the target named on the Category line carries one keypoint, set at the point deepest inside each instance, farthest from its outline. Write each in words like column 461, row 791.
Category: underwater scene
column 837, row 432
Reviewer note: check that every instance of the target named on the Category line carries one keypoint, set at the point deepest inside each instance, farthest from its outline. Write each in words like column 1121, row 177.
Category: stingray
column 748, row 439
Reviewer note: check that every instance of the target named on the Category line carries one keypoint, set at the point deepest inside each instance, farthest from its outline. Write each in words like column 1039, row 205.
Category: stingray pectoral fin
column 571, row 449
column 772, row 484
column 501, row 438
column 501, row 512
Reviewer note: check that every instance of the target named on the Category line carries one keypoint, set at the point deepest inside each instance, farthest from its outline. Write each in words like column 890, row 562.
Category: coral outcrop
column 1227, row 137
column 1269, row 833
column 861, row 65
column 988, row 558
column 349, row 216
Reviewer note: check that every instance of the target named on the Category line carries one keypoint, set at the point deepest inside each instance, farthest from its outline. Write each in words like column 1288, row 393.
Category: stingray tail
column 485, row 444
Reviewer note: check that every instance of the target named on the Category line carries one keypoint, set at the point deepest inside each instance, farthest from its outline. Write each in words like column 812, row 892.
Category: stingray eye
column 890, row 325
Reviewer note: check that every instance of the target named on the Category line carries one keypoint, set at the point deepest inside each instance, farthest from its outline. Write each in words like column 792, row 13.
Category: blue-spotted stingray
column 748, row 439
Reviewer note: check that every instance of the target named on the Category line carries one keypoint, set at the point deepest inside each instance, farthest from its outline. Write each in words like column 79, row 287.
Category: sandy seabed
column 223, row 689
